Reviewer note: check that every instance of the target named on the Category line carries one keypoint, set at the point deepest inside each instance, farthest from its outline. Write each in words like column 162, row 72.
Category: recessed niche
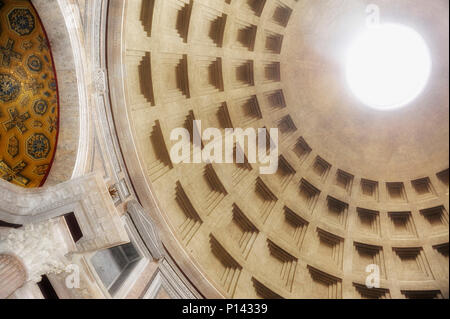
column 211, row 26
column 302, row 150
column 263, row 292
column 293, row 227
column 248, row 110
column 442, row 255
column 209, row 75
column 274, row 41
column 243, row 73
column 396, row 192
column 216, row 115
column 190, row 221
column 369, row 189
column 175, row 77
column 331, row 247
column 336, row 211
column 146, row 17
column 215, row 192
column 366, row 255
column 263, row 199
column 227, row 268
column 271, row 144
column 402, row 224
column 442, row 249
column 145, row 79
column 285, row 172
column 242, row 231
column 344, row 180
column 308, row 194
column 286, row 125
column 275, row 100
column 182, row 120
column 193, row 129
column 177, row 15
column 321, row 167
column 423, row 188
column 324, row 286
column 285, row 263
column 437, row 217
column 422, row 294
column 413, row 265
column 272, row 72
column 160, row 163
column 371, row 293
column 443, row 177
column 281, row 14
column 241, row 168
column 368, row 221
column 186, row 121
column 256, row 6
column 245, row 35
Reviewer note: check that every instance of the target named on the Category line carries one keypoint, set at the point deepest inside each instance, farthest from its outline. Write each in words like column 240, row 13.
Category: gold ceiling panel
column 28, row 96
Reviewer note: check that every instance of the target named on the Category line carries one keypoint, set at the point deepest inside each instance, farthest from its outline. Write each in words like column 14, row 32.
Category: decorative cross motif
column 17, row 120
column 52, row 124
column 42, row 43
column 34, row 86
column 13, row 173
column 7, row 52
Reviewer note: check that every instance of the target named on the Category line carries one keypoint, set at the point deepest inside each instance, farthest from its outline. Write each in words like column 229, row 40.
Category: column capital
column 12, row 274
column 38, row 247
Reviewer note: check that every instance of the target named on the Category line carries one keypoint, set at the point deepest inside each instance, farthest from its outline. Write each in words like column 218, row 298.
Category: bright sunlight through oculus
column 388, row 66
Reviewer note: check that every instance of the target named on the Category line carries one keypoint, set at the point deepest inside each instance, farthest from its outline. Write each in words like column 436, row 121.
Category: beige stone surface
column 354, row 188
column 69, row 100
column 12, row 275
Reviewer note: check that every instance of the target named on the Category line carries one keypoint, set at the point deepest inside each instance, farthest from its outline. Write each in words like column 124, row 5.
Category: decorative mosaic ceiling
column 28, row 96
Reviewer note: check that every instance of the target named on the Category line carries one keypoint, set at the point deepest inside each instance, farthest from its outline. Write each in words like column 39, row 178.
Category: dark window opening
column 74, row 227
column 47, row 289
column 8, row 225
column 114, row 265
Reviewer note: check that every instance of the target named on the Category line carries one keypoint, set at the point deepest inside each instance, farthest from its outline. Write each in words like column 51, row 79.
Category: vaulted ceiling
column 354, row 186
column 28, row 96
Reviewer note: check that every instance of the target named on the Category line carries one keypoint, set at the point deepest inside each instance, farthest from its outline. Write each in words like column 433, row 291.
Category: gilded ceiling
column 28, row 96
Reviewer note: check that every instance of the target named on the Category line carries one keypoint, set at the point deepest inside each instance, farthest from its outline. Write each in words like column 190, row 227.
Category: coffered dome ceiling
column 355, row 186
column 28, row 96
column 400, row 144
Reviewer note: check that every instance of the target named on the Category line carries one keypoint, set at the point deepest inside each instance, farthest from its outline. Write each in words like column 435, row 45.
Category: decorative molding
column 39, row 248
column 87, row 197
column 100, row 81
column 167, row 278
column 146, row 228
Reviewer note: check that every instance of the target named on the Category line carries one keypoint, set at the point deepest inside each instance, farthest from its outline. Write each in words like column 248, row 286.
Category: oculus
column 388, row 66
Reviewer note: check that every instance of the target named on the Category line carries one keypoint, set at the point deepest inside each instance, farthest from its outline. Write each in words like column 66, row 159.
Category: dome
column 28, row 96
column 353, row 183
column 222, row 149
